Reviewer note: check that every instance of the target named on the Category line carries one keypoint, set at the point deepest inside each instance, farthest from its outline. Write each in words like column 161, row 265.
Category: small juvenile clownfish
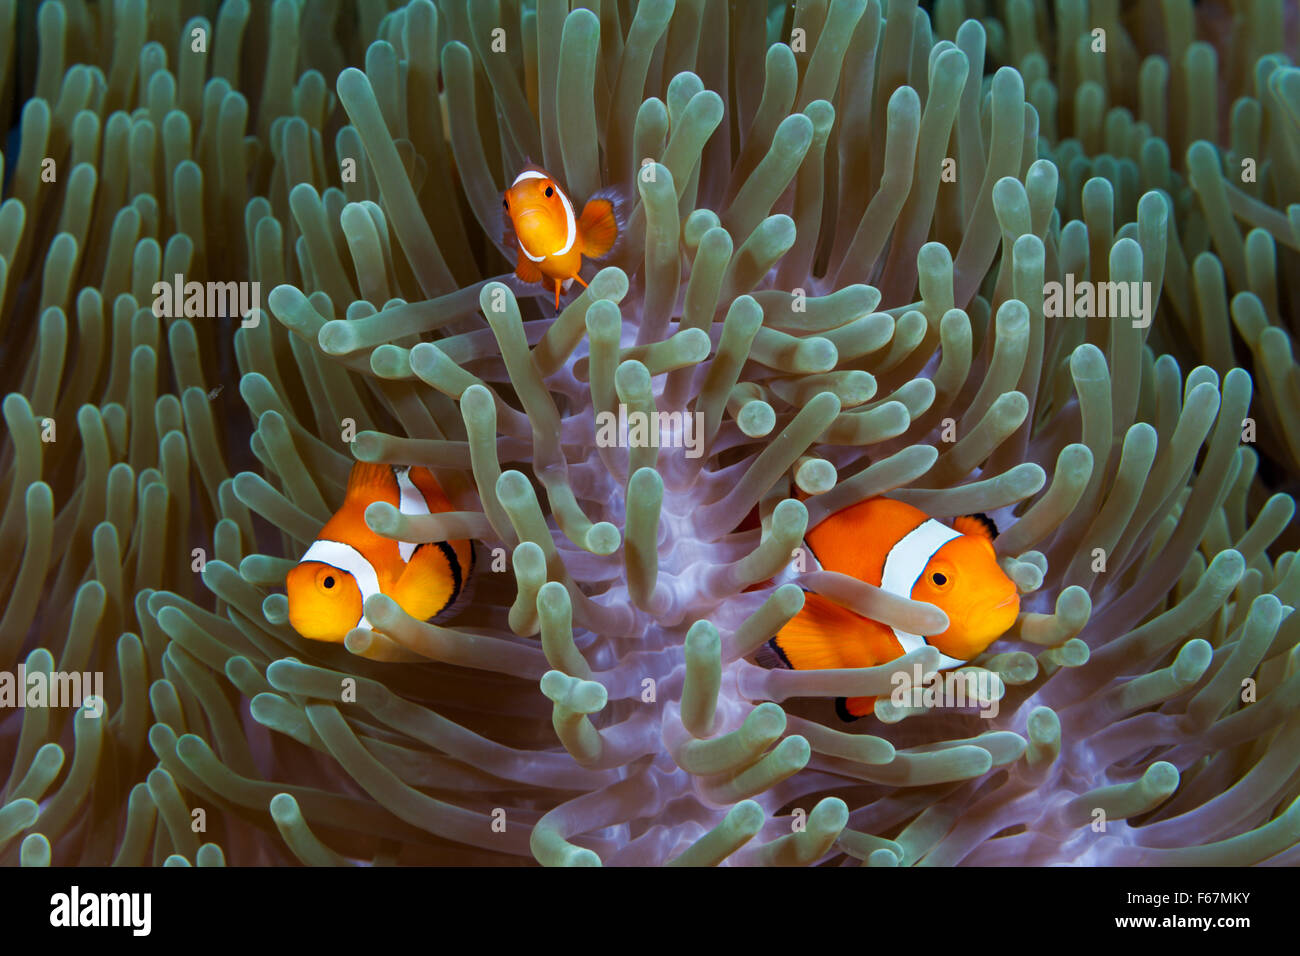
column 551, row 240
column 348, row 562
column 902, row 550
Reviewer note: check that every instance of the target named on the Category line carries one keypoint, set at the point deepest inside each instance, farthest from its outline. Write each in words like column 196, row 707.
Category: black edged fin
column 770, row 656
column 453, row 562
column 779, row 653
column 462, row 582
column 453, row 567
column 842, row 710
column 618, row 199
column 988, row 523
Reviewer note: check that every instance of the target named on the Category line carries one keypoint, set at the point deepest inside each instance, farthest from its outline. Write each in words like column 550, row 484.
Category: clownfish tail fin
column 602, row 222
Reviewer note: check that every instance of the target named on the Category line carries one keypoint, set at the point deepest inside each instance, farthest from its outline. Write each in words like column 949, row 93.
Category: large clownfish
column 551, row 240
column 902, row 550
column 348, row 562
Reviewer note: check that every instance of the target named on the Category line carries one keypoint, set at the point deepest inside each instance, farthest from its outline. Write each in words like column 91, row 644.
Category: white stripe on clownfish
column 570, row 225
column 348, row 560
column 411, row 502
column 905, row 564
column 524, row 249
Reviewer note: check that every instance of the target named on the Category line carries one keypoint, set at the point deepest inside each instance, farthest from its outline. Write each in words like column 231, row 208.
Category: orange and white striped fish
column 902, row 550
column 550, row 239
column 348, row 562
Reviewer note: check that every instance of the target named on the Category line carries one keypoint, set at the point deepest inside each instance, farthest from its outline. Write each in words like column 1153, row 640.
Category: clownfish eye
column 549, row 192
column 506, row 203
column 939, row 578
column 328, row 583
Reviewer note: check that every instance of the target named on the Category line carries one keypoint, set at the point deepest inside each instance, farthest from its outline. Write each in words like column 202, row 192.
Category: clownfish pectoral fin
column 824, row 635
column 980, row 525
column 598, row 227
column 601, row 223
column 526, row 269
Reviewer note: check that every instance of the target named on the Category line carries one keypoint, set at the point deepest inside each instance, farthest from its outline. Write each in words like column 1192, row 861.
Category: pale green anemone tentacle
column 841, row 258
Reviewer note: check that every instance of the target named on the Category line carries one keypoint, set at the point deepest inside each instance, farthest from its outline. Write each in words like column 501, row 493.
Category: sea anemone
column 847, row 217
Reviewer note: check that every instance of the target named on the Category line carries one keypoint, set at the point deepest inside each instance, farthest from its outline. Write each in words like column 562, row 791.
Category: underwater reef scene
column 1016, row 275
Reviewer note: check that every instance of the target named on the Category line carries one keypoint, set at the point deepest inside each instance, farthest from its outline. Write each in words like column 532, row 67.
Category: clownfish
column 551, row 240
column 348, row 562
column 904, row 551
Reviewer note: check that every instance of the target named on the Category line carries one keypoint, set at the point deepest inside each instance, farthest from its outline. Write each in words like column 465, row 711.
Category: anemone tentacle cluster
column 837, row 280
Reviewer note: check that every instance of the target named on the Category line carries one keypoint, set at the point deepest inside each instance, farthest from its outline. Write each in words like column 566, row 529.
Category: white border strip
column 411, row 502
column 570, row 224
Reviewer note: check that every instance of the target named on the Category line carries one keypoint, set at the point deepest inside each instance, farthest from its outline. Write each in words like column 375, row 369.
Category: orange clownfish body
column 549, row 238
column 348, row 562
column 900, row 549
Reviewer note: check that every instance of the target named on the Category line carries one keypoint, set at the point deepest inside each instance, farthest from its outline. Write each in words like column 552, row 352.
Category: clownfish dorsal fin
column 372, row 481
column 980, row 525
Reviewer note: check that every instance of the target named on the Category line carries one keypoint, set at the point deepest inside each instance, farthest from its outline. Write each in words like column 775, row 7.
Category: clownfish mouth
column 996, row 610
